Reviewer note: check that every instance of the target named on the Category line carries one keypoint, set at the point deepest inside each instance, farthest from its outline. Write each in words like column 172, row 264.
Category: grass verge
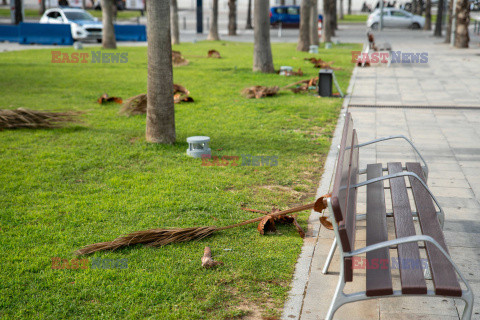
column 62, row 189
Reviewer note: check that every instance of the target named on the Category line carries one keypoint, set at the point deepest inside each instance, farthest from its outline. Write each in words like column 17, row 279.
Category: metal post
column 184, row 23
column 199, row 16
column 280, row 29
column 381, row 14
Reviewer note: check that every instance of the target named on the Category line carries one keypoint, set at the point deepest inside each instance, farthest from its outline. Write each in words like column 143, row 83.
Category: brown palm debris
column 26, row 118
column 207, row 261
column 178, row 60
column 267, row 224
column 260, row 92
column 138, row 104
column 214, row 54
column 319, row 63
column 106, row 98
column 302, row 85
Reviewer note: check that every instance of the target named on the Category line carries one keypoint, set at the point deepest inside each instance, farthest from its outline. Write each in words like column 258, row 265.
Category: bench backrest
column 344, row 197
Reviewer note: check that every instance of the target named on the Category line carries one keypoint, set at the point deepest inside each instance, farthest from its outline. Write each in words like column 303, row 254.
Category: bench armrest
column 404, row 174
column 416, row 238
column 425, row 166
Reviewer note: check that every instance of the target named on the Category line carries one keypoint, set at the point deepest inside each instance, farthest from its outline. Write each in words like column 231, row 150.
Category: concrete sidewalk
column 449, row 139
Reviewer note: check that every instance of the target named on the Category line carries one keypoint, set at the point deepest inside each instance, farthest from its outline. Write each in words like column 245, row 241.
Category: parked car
column 84, row 25
column 288, row 16
column 395, row 18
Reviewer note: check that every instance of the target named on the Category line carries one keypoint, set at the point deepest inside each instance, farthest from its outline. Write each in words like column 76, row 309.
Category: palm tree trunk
column 249, row 16
column 18, row 11
column 448, row 35
column 328, row 13
column 42, row 8
column 341, row 10
column 349, row 10
column 213, row 33
column 108, row 34
column 419, row 8
column 438, row 23
column 314, row 23
column 462, row 12
column 428, row 16
column 160, row 127
column 232, row 18
column 334, row 18
column 262, row 51
column 174, row 22
column 304, row 30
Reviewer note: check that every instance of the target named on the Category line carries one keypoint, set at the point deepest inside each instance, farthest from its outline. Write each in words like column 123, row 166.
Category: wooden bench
column 342, row 205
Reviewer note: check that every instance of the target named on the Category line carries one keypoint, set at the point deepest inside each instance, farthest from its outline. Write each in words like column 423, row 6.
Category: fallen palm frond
column 106, row 98
column 178, row 60
column 135, row 105
column 138, row 104
column 260, row 91
column 319, row 63
column 26, row 118
column 161, row 237
column 214, row 54
column 302, row 85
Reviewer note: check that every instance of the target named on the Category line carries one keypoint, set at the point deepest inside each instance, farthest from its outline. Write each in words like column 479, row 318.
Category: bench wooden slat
column 444, row 276
column 346, row 227
column 339, row 194
column 411, row 273
column 379, row 278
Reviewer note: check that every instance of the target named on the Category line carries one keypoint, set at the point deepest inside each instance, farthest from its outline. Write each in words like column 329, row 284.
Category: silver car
column 84, row 26
column 395, row 18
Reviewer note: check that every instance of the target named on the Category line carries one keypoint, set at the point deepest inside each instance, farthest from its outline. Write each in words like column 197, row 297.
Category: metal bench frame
column 340, row 298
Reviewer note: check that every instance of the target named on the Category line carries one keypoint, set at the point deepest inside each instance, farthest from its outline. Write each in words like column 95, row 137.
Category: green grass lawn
column 354, row 18
column 61, row 189
column 32, row 13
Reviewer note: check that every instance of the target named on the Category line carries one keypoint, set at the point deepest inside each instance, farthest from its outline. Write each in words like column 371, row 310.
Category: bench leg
column 338, row 297
column 330, row 256
column 467, row 296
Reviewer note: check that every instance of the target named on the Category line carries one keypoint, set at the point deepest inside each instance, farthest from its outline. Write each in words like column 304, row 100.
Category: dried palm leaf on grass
column 104, row 98
column 26, row 118
column 319, row 63
column 178, row 60
column 161, row 237
column 138, row 104
column 214, row 54
column 302, row 85
column 260, row 91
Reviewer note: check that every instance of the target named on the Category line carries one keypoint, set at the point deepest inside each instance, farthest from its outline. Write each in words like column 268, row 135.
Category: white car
column 84, row 25
column 395, row 18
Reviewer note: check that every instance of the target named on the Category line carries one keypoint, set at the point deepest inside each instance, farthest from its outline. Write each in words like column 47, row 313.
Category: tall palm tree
column 314, row 23
column 448, row 35
column 327, row 26
column 462, row 12
column 18, row 11
column 160, row 126
column 213, row 33
column 249, row 16
column 232, row 18
column 428, row 15
column 108, row 34
column 438, row 23
column 174, row 22
column 42, row 8
column 262, row 50
column 304, row 32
